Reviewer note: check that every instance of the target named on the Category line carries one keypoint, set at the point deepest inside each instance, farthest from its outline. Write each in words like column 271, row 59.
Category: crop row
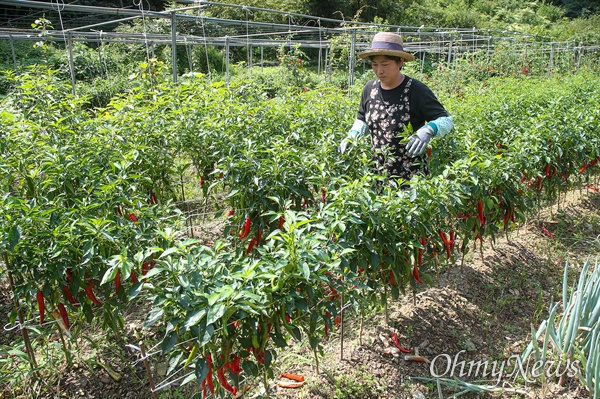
column 90, row 217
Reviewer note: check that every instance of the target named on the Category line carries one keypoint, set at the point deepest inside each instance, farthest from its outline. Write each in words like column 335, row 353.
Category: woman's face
column 387, row 70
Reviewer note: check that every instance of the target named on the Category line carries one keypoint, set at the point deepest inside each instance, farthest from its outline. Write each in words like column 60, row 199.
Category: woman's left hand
column 418, row 142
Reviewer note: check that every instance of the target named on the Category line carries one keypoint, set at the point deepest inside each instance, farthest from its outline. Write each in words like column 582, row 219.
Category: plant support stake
column 148, row 371
column 174, row 44
column 24, row 332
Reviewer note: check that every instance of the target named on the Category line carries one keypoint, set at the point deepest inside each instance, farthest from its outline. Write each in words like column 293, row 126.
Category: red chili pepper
column 69, row 275
column 545, row 230
column 69, row 296
column 443, row 236
column 260, row 356
column 134, row 278
column 145, row 268
column 234, row 366
column 64, row 315
column 288, row 319
column 429, row 152
column 295, row 377
column 133, row 218
column 326, row 331
column 90, row 293
column 392, row 279
column 201, row 180
column 230, row 213
column 40, row 300
column 539, row 183
column 209, row 378
column 246, row 228
column 447, row 242
column 480, row 215
column 523, row 177
column 153, row 198
column 281, row 222
column 323, row 194
column 451, row 239
column 397, row 344
column 118, row 281
column 416, row 274
column 506, row 217
column 224, row 383
column 334, row 294
column 250, row 245
column 547, row 170
column 258, row 237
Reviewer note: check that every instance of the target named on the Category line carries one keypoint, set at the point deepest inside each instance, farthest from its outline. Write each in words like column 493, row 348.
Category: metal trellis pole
column 250, row 62
column 227, row 58
column 351, row 59
column 71, row 64
column 174, row 44
column 14, row 54
column 319, row 61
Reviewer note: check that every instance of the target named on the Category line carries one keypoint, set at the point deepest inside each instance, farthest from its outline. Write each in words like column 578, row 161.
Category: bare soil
column 483, row 310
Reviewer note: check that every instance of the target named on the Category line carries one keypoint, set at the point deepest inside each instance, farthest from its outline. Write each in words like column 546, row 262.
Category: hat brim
column 381, row 51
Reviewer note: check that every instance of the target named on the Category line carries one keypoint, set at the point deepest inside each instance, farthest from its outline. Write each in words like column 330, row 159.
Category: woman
column 392, row 102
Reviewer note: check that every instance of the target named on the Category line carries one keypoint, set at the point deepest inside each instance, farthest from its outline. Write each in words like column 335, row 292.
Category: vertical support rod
column 250, row 61
column 174, row 44
column 71, row 64
column 262, row 58
column 342, row 326
column 551, row 62
column 14, row 54
column 579, row 55
column 450, row 51
column 319, row 61
column 189, row 55
column 327, row 64
column 148, row 371
column 227, row 58
column 351, row 59
column 17, row 305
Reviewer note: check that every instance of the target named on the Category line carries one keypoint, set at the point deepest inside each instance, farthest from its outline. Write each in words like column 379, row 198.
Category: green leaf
column 109, row 275
column 304, row 270
column 201, row 370
column 169, row 252
column 155, row 315
column 14, row 235
column 193, row 318
column 215, row 312
column 203, row 332
column 169, row 341
column 22, row 355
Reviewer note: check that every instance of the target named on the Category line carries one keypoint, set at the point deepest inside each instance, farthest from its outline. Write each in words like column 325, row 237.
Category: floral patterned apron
column 387, row 123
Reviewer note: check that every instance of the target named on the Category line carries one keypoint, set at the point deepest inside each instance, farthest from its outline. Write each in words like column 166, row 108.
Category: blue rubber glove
column 418, row 141
column 358, row 129
column 352, row 135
